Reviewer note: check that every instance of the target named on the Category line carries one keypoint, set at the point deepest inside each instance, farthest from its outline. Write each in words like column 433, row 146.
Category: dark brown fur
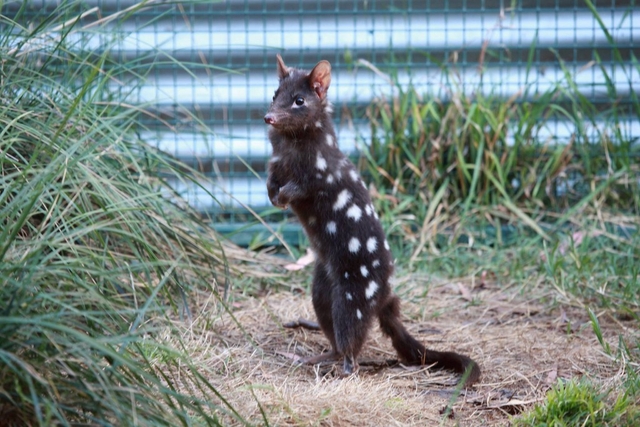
column 311, row 175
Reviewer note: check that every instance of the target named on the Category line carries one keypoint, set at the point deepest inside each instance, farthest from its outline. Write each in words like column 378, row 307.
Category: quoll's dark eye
column 299, row 101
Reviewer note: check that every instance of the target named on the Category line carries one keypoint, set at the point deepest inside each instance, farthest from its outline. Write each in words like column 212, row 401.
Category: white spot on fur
column 354, row 175
column 312, row 220
column 359, row 314
column 346, row 275
column 330, row 179
column 341, row 201
column 331, row 227
column 371, row 289
column 321, row 163
column 354, row 245
column 318, row 124
column 375, row 263
column 354, row 212
column 338, row 174
column 319, row 175
column 274, row 159
column 386, row 245
column 369, row 210
column 364, row 270
column 330, row 140
column 328, row 109
column 372, row 244
column 348, row 296
column 363, row 184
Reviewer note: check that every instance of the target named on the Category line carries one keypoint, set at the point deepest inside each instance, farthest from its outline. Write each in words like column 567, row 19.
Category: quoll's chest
column 333, row 188
column 341, row 222
column 334, row 207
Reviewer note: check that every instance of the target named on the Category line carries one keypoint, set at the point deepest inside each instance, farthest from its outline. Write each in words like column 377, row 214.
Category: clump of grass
column 97, row 267
column 454, row 152
column 485, row 151
column 576, row 403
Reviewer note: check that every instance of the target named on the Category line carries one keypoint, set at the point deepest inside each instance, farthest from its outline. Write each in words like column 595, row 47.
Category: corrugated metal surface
column 242, row 38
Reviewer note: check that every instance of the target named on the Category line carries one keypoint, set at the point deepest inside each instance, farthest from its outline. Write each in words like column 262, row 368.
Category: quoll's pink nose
column 269, row 119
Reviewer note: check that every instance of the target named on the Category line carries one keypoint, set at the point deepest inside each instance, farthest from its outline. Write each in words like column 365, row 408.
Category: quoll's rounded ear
column 283, row 70
column 320, row 78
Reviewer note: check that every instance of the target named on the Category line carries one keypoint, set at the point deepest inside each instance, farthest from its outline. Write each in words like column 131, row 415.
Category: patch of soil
column 522, row 343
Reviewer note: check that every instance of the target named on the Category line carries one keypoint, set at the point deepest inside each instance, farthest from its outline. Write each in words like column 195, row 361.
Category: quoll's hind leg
column 351, row 319
column 321, row 298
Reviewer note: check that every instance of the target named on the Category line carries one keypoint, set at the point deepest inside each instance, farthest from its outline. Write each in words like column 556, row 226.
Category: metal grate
column 235, row 43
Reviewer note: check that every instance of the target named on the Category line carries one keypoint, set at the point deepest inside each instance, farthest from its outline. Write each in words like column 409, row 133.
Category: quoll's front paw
column 273, row 189
column 274, row 196
column 287, row 193
column 277, row 201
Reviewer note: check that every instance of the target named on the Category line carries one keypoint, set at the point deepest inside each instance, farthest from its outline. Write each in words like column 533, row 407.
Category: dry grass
column 523, row 342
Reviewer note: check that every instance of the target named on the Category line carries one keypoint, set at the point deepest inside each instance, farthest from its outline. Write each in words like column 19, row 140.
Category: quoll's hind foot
column 350, row 366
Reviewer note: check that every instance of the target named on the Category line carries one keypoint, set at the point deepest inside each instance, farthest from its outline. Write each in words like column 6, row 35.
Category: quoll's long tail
column 411, row 351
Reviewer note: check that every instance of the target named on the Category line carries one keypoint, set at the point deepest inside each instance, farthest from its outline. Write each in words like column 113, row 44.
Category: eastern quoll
column 310, row 174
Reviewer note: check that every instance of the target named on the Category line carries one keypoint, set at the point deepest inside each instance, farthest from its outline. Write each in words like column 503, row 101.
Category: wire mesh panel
column 213, row 68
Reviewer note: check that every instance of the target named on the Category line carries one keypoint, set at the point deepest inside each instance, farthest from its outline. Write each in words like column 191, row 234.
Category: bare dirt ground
column 524, row 343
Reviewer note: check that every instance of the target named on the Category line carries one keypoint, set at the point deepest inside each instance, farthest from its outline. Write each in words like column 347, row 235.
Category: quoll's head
column 300, row 100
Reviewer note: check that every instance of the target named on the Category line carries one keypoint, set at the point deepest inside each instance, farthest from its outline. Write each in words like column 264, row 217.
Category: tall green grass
column 459, row 151
column 97, row 268
column 464, row 172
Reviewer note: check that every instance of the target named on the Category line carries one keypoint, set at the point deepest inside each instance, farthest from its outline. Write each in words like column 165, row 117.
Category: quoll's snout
column 269, row 119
